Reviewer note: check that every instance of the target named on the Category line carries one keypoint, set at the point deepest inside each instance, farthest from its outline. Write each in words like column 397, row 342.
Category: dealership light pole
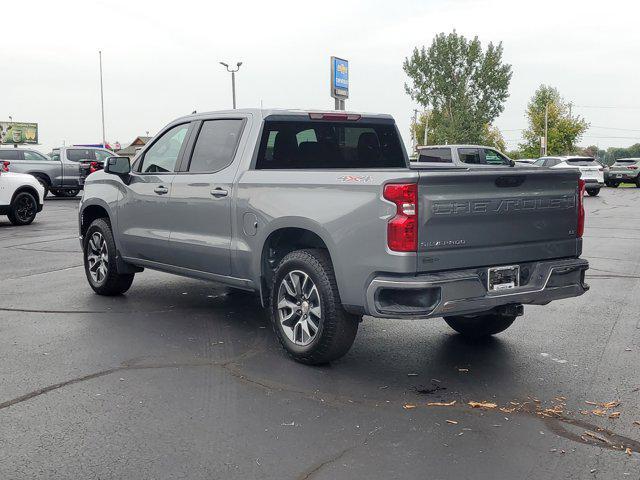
column 233, row 79
column 104, row 142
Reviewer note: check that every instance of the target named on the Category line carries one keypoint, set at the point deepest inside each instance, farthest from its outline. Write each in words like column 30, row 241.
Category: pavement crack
column 306, row 475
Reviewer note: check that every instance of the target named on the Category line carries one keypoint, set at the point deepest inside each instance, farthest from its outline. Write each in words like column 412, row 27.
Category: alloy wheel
column 97, row 257
column 299, row 309
column 25, row 208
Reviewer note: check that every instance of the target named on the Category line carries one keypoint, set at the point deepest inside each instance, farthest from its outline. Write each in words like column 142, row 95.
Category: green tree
column 564, row 131
column 461, row 85
column 489, row 135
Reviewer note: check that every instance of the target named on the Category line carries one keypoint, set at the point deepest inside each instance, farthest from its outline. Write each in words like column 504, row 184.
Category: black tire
column 614, row 184
column 66, row 193
column 23, row 209
column 479, row 326
column 593, row 192
column 111, row 282
column 45, row 184
column 336, row 330
column 638, row 181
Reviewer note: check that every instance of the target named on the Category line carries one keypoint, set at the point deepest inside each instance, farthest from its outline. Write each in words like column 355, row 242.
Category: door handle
column 161, row 190
column 219, row 192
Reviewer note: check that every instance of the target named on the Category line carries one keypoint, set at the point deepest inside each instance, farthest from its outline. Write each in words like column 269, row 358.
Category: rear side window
column 491, row 157
column 435, row 155
column 215, row 146
column 627, row 162
column 310, row 145
column 469, row 155
column 77, row 154
column 9, row 154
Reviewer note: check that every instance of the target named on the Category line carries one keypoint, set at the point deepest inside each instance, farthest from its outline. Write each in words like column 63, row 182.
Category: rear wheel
column 306, row 310
column 479, row 326
column 23, row 209
column 593, row 191
column 100, row 261
column 614, row 184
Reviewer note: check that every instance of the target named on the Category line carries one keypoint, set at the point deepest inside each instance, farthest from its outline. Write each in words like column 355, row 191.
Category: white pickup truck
column 21, row 195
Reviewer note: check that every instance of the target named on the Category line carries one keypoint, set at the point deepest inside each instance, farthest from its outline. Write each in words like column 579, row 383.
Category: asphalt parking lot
column 184, row 379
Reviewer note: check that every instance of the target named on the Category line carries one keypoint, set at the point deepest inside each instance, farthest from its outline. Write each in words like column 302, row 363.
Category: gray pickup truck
column 60, row 173
column 320, row 214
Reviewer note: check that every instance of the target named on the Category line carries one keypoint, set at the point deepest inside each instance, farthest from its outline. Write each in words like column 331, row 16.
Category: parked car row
column 62, row 172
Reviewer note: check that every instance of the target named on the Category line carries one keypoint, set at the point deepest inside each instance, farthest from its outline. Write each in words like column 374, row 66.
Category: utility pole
column 414, row 133
column 426, row 127
column 233, row 79
column 104, row 141
column 546, row 129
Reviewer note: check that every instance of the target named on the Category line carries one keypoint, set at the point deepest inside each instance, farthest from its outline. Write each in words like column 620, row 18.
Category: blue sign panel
column 340, row 77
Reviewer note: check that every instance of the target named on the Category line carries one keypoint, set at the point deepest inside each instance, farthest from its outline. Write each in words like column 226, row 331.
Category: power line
column 616, row 128
column 609, row 106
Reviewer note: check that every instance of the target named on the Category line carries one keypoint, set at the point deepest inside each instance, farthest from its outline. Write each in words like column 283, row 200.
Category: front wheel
column 100, row 261
column 23, row 209
column 479, row 326
column 614, row 184
column 593, row 191
column 306, row 310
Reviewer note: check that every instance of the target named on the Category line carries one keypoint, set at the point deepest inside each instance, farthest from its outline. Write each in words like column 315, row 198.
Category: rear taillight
column 5, row 166
column 93, row 167
column 581, row 188
column 402, row 229
column 335, row 116
column 632, row 167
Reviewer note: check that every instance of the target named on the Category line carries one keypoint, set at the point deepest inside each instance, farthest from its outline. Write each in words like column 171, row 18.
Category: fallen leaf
column 463, row 370
column 627, row 451
column 507, row 410
column 452, row 422
column 408, row 406
column 600, row 413
column 636, row 423
column 597, row 437
column 441, row 404
column 482, row 405
column 614, row 415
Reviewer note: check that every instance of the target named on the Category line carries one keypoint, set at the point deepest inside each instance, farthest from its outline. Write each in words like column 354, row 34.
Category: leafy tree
column 463, row 87
column 614, row 153
column 564, row 131
column 488, row 135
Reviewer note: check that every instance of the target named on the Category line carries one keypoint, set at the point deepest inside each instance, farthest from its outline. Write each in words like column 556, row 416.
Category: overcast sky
column 161, row 59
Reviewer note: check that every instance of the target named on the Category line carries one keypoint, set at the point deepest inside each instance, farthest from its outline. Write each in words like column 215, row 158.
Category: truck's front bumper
column 465, row 291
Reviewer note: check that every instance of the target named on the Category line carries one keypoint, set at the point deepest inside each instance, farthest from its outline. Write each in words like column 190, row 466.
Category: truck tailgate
column 496, row 216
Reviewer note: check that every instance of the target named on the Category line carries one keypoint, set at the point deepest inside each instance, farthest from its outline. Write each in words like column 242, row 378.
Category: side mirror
column 117, row 165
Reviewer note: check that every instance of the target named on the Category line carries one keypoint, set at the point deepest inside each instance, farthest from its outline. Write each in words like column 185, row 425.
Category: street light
column 233, row 79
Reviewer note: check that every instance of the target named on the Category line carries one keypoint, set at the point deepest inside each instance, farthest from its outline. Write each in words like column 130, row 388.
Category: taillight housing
column 632, row 167
column 94, row 167
column 402, row 229
column 581, row 188
column 5, row 166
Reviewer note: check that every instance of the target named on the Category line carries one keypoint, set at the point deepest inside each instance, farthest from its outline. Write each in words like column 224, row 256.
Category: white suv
column 21, row 195
column 590, row 170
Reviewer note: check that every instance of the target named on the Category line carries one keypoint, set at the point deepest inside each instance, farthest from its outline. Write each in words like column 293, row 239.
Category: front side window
column 469, row 155
column 215, row 146
column 435, row 155
column 102, row 155
column 320, row 144
column 491, row 157
column 163, row 154
column 34, row 156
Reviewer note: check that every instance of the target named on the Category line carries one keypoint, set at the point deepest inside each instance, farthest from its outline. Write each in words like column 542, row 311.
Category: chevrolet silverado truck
column 320, row 214
column 60, row 173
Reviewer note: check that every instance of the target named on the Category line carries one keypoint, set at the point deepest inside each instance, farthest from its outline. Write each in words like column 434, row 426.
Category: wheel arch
column 91, row 212
column 26, row 188
column 43, row 175
column 283, row 239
